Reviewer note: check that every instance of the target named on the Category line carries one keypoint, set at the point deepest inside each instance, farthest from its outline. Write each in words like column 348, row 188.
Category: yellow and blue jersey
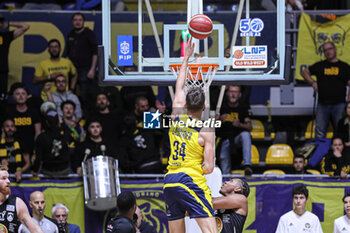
column 186, row 153
column 185, row 188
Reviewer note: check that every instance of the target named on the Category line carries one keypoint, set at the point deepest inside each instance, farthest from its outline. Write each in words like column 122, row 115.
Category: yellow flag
column 312, row 35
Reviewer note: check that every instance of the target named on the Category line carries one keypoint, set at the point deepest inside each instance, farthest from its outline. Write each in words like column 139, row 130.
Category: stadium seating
column 313, row 171
column 255, row 155
column 313, row 125
column 279, row 154
column 258, row 131
column 238, row 172
column 274, row 172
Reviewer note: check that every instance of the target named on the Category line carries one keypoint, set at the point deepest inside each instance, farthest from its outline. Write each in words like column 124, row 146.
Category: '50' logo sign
column 251, row 27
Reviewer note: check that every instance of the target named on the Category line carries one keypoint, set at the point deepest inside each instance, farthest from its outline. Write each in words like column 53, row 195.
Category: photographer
column 124, row 221
column 60, row 214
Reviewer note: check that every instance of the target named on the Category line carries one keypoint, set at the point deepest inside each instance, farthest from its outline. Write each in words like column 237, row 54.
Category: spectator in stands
column 61, row 94
column 48, row 70
column 110, row 121
column 129, row 95
column 137, row 148
column 342, row 224
column 344, row 127
column 299, row 165
column 6, row 38
column 299, row 219
column 11, row 154
column 332, row 81
column 113, row 95
column 27, row 119
column 93, row 145
column 334, row 163
column 74, row 130
column 60, row 214
column 126, row 204
column 51, row 148
column 68, row 109
column 141, row 105
column 37, row 203
column 235, row 130
column 82, row 51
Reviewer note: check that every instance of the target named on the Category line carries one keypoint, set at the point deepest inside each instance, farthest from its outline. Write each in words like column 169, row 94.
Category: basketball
column 200, row 26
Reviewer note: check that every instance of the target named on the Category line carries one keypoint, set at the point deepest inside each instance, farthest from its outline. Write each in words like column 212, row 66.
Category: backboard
column 148, row 42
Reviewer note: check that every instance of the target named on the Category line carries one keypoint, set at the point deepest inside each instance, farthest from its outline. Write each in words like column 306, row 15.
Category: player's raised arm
column 208, row 136
column 180, row 97
column 24, row 217
column 232, row 201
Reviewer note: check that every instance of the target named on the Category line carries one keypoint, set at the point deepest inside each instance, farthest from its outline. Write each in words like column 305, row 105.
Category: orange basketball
column 200, row 26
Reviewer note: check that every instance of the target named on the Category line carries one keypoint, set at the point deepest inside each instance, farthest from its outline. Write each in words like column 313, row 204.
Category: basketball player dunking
column 192, row 155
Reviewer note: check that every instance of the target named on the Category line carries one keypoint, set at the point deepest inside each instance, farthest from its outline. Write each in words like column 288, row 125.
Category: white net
column 198, row 76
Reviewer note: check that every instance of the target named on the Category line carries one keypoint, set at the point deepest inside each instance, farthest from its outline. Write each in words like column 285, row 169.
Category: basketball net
column 198, row 76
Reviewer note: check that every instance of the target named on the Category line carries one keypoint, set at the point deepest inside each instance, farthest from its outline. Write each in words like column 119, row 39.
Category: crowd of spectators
column 51, row 134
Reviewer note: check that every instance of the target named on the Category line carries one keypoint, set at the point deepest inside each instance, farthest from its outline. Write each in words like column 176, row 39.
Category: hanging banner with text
column 268, row 200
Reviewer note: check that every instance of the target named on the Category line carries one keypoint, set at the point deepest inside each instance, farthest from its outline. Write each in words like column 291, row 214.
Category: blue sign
column 125, row 51
column 251, row 27
column 151, row 120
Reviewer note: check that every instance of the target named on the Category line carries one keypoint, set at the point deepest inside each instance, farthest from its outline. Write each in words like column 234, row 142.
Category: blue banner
column 125, row 51
column 268, row 200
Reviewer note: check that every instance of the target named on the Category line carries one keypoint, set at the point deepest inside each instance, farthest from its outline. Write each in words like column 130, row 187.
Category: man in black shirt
column 11, row 153
column 123, row 223
column 82, row 51
column 137, row 150
column 332, row 79
column 235, row 130
column 6, row 37
column 232, row 208
column 109, row 120
column 26, row 118
column 51, row 148
column 95, row 145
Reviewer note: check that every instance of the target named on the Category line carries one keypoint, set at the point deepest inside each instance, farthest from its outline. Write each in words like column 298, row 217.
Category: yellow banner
column 312, row 35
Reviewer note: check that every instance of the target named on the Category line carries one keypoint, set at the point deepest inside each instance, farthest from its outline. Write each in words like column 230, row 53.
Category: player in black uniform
column 232, row 208
column 13, row 208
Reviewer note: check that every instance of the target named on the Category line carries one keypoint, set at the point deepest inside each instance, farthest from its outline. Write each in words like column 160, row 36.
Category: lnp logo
column 151, row 120
column 124, row 47
column 307, row 225
column 251, row 27
column 10, row 216
column 254, row 50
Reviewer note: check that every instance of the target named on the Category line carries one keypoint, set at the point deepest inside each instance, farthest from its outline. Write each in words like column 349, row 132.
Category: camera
column 61, row 227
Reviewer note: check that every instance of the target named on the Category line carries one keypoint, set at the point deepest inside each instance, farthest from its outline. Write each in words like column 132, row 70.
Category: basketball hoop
column 197, row 75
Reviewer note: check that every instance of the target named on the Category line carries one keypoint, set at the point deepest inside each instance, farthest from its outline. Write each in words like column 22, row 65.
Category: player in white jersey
column 342, row 224
column 299, row 219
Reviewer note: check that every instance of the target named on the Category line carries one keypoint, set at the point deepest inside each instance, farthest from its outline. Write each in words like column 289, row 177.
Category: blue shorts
column 181, row 194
